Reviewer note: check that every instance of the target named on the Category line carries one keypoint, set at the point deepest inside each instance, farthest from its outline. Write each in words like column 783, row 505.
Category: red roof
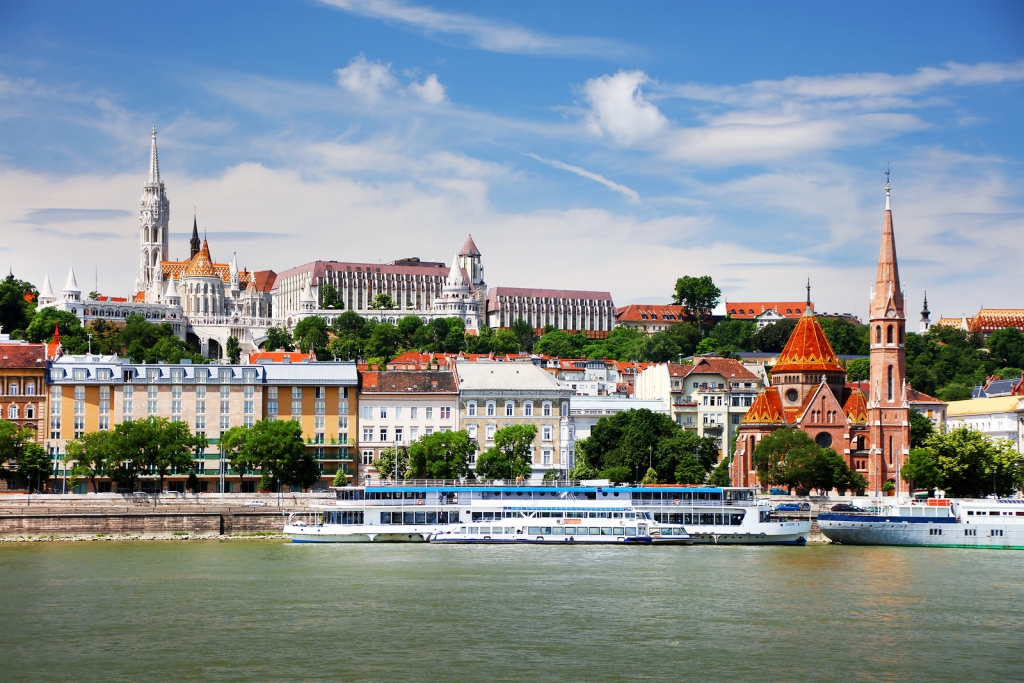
column 808, row 349
column 408, row 381
column 991, row 319
column 748, row 310
column 264, row 280
column 766, row 409
column 279, row 357
column 856, row 407
column 21, row 356
column 726, row 367
column 469, row 248
column 642, row 313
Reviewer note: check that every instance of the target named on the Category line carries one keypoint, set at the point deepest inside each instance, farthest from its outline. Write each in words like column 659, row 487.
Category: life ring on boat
column 675, row 502
column 419, row 502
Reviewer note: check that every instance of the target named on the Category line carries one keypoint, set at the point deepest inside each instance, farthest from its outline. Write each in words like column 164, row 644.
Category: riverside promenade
column 147, row 516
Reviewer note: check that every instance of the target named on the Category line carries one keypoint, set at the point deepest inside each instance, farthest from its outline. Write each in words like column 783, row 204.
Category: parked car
column 779, row 492
column 846, row 507
column 793, row 507
column 256, row 504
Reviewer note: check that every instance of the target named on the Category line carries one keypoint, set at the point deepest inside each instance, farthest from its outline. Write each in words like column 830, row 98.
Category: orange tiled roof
column 808, row 349
column 954, row 322
column 992, row 319
column 279, row 357
column 748, row 310
column 23, row 356
column 140, row 297
column 726, row 367
column 856, row 407
column 767, row 409
column 642, row 313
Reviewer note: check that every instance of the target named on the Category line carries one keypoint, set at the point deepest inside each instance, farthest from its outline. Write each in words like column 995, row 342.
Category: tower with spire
column 154, row 241
column 470, row 260
column 888, row 409
column 926, row 323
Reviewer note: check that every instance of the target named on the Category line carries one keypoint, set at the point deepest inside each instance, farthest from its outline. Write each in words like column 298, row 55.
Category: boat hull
column 775, row 533
column 940, row 534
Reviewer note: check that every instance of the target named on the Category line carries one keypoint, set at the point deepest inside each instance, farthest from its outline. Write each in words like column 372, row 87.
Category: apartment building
column 397, row 407
column 95, row 393
column 495, row 395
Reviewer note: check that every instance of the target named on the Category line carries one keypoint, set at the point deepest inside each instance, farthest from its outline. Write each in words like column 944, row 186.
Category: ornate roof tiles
column 767, row 409
column 856, row 408
column 808, row 349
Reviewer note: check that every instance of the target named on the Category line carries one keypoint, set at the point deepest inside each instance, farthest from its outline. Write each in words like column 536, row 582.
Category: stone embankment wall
column 166, row 516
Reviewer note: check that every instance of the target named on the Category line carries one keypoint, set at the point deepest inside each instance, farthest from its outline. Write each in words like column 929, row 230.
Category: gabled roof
column 22, row 356
column 766, row 409
column 726, row 367
column 643, row 313
column 808, row 349
column 991, row 319
column 748, row 310
column 408, row 382
column 264, row 280
column 469, row 248
column 856, row 408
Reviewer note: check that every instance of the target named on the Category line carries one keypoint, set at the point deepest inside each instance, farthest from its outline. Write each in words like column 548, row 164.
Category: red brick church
column 809, row 389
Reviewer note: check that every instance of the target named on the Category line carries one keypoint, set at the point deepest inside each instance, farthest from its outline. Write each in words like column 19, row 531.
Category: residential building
column 871, row 430
column 586, row 411
column 399, row 407
column 710, row 396
column 495, row 395
column 765, row 313
column 651, row 318
column 592, row 313
column 22, row 388
column 997, row 386
column 95, row 393
column 997, row 418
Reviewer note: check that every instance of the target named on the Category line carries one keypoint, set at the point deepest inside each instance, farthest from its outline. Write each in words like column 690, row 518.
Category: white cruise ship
column 459, row 513
column 941, row 522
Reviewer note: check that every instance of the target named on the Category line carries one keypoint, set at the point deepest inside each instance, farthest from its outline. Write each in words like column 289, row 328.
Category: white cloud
column 618, row 108
column 366, row 79
column 631, row 195
column 485, row 34
column 430, row 91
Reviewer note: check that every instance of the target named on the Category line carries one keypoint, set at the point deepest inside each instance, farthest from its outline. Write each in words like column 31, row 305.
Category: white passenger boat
column 941, row 522
column 460, row 513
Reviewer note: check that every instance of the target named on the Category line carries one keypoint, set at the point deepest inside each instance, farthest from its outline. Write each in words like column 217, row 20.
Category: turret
column 71, row 293
column 926, row 322
column 46, row 296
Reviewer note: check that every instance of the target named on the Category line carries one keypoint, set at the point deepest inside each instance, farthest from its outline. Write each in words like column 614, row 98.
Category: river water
column 273, row 611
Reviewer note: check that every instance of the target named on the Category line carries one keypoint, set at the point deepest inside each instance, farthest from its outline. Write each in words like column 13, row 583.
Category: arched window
column 30, row 412
column 878, row 334
column 13, row 390
column 890, row 382
column 888, row 334
column 12, row 412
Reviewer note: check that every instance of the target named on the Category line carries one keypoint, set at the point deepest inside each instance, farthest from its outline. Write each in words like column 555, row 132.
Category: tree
column 130, row 445
column 552, row 475
column 650, row 476
column 17, row 304
column 505, row 341
column 233, row 350
column 393, row 463
column 351, row 323
column 276, row 448
column 383, row 342
column 813, row 467
column 524, row 334
column 734, row 335
column 89, row 453
column 684, row 457
column 12, row 445
column 699, row 295
column 278, row 338
column 921, row 469
column 1006, row 346
column 383, row 302
column 858, row 370
column 720, row 475
column 408, row 326
column 510, row 457
column 34, row 465
column 172, row 447
column 921, row 429
column 340, row 478
column 560, row 344
column 329, row 298
column 441, row 455
column 772, row 338
column 311, row 334
column 970, row 465
column 106, row 336
column 72, row 335
column 845, row 337
column 772, row 453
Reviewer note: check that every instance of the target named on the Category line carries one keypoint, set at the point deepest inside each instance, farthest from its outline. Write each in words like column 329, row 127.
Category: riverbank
column 175, row 536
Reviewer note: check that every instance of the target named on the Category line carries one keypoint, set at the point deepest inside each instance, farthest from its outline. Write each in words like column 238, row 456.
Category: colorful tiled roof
column 856, row 408
column 766, row 409
column 748, row 310
column 726, row 367
column 808, row 349
column 201, row 264
column 649, row 313
column 989, row 320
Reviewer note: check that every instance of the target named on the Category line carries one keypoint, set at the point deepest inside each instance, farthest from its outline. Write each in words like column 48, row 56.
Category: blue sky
column 584, row 145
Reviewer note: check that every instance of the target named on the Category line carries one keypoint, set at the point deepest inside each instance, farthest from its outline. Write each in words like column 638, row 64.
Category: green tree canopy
column 845, row 337
column 329, row 298
column 921, row 469
column 503, row 342
column 90, row 453
column 72, row 336
column 969, row 464
column 720, row 475
column 858, row 370
column 525, row 334
column 1006, row 347
column 698, row 294
column 441, row 455
column 15, row 311
column 34, row 465
column 734, row 335
column 12, row 445
column 278, row 338
column 772, row 338
column 384, row 342
column 561, row 344
column 311, row 334
column 233, row 350
column 772, row 452
column 510, row 457
column 921, row 429
column 383, row 302
column 393, row 463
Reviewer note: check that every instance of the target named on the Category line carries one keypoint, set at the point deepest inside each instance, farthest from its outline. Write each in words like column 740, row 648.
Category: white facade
column 587, row 410
column 997, row 418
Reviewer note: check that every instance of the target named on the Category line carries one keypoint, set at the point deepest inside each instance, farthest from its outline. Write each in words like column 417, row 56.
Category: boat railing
column 475, row 483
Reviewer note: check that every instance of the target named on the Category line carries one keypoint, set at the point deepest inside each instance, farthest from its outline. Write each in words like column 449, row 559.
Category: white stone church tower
column 154, row 215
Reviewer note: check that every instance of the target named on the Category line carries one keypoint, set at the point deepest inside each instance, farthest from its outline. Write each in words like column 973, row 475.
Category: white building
column 587, row 410
column 998, row 418
column 495, row 395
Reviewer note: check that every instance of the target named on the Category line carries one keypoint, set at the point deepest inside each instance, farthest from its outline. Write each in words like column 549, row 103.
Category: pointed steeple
column 193, row 244
column 888, row 294
column 72, row 283
column 154, row 162
column 926, row 321
column 808, row 308
column 469, row 248
column 47, row 292
column 455, row 279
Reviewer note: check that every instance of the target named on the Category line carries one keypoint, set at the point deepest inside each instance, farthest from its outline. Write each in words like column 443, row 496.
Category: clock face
column 891, row 313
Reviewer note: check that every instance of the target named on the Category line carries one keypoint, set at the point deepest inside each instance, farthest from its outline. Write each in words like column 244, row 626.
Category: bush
column 552, row 475
column 266, row 482
column 340, row 479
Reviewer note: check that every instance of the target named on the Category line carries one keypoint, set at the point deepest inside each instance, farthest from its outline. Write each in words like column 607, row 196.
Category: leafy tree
column 552, row 475
column 275, row 447
column 12, row 445
column 106, row 336
column 699, row 295
column 233, row 350
column 525, row 334
column 278, row 338
column 813, row 467
column 351, row 323
column 383, row 302
column 131, row 444
column 561, row 344
column 1006, row 346
column 845, row 337
column 384, row 342
column 481, row 341
column 622, row 343
column 340, row 478
column 689, row 470
column 617, row 474
column 970, row 464
column 72, row 336
column 660, row 347
column 34, row 465
column 858, row 369
column 15, row 311
column 947, row 362
column 510, row 457
column 89, row 453
column 408, row 326
column 720, row 475
column 441, row 455
column 774, row 450
column 311, row 334
column 505, row 341
column 734, row 335
column 192, row 483
column 921, row 429
column 954, row 391
column 1009, row 373
column 921, row 468
column 772, row 338
column 329, row 298
column 172, row 447
column 393, row 463
column 685, row 335
column 684, row 457
column 650, row 477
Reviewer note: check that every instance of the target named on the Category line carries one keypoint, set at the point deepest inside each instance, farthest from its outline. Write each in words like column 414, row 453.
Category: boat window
column 736, row 518
column 970, row 512
column 558, row 531
column 534, row 530
column 582, row 531
column 617, row 531
column 687, row 495
column 716, row 495
column 630, row 531
column 595, row 531
column 993, row 512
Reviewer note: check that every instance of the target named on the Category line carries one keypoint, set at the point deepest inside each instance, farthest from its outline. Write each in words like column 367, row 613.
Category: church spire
column 887, row 298
column 808, row 309
column 154, row 162
column 193, row 244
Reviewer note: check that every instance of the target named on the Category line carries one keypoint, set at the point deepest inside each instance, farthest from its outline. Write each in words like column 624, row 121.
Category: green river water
column 273, row 611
